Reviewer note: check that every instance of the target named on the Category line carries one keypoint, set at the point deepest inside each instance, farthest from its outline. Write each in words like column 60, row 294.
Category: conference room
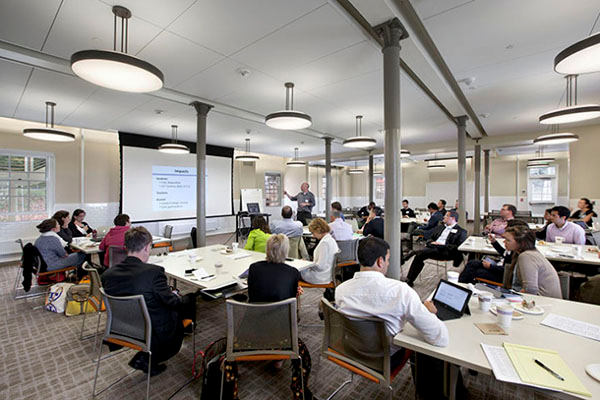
column 226, row 199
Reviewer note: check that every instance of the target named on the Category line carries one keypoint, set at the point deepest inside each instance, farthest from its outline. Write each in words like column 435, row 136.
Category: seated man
column 337, row 206
column 442, row 206
column 443, row 246
column 115, row 236
column 371, row 294
column 364, row 212
column 560, row 227
column 456, row 206
column 375, row 224
column 166, row 308
column 339, row 229
column 498, row 226
column 287, row 225
column 427, row 229
column 407, row 211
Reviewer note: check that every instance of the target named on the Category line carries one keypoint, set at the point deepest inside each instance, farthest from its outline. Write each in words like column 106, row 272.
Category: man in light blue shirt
column 287, row 225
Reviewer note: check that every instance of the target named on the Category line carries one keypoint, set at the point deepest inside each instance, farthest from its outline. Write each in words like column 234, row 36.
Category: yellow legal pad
column 523, row 358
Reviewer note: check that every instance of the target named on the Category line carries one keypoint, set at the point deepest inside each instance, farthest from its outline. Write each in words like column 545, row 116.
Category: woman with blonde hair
column 324, row 255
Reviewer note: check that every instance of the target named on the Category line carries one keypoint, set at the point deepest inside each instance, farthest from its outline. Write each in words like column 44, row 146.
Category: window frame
column 49, row 180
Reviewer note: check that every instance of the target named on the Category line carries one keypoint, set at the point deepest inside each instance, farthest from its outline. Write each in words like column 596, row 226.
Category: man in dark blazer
column 166, row 308
column 443, row 245
column 375, row 224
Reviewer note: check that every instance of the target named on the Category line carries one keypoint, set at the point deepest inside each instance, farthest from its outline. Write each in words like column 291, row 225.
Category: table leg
column 451, row 373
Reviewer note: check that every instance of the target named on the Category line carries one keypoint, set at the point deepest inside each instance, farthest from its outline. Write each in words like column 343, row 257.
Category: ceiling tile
column 157, row 12
column 38, row 14
column 227, row 26
column 12, row 82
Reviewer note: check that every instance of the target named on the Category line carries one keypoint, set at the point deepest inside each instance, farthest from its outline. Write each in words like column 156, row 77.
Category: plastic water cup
column 559, row 239
column 235, row 246
column 505, row 314
column 579, row 250
column 453, row 276
column 218, row 268
column 192, row 259
column 485, row 301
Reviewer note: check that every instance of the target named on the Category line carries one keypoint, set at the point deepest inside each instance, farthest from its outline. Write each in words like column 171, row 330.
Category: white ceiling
column 200, row 45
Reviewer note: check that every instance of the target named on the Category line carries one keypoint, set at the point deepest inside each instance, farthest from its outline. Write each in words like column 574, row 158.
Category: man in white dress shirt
column 340, row 230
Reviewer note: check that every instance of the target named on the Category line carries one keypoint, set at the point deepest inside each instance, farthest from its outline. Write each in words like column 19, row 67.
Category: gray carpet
column 42, row 357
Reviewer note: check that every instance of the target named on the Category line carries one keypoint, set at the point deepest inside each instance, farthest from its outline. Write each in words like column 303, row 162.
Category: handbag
column 77, row 300
column 57, row 297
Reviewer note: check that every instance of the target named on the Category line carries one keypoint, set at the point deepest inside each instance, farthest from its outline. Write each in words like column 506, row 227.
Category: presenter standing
column 306, row 202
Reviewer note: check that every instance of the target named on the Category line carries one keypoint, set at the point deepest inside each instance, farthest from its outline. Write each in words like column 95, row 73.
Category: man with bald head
column 306, row 202
column 287, row 225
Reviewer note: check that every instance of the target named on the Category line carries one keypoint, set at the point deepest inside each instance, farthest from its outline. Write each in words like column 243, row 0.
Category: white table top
column 552, row 251
column 465, row 338
column 86, row 246
column 176, row 263
column 306, row 232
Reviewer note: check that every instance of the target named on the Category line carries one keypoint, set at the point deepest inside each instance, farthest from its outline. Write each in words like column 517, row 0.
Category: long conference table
column 566, row 253
column 234, row 264
column 465, row 349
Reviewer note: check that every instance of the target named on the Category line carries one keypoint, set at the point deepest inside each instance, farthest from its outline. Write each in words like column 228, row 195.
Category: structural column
column 371, row 196
column 462, row 169
column 477, row 204
column 392, row 32
column 328, row 178
column 486, row 181
column 202, row 110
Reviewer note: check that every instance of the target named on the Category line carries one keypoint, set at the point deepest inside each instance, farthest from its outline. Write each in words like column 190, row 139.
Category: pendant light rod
column 50, row 106
column 174, row 133
column 247, row 145
column 571, row 90
column 359, row 125
column 124, row 14
column 289, row 96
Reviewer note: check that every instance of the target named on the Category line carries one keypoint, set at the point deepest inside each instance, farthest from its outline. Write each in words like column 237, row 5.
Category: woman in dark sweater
column 585, row 212
column 78, row 226
column 62, row 216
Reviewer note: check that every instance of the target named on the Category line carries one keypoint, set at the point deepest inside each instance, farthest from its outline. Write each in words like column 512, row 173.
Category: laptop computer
column 101, row 231
column 451, row 300
column 253, row 207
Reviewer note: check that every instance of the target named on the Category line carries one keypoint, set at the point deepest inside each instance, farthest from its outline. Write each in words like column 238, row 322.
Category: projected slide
column 158, row 186
column 173, row 188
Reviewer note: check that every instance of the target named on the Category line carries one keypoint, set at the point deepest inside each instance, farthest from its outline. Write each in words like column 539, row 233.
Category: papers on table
column 202, row 275
column 238, row 255
column 521, row 368
column 573, row 326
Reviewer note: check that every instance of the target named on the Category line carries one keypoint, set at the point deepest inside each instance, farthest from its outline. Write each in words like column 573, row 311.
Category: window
column 379, row 187
column 324, row 187
column 23, row 187
column 545, row 171
column 541, row 190
column 272, row 189
column 542, row 184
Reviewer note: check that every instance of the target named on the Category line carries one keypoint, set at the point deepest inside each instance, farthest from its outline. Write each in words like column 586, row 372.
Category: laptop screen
column 452, row 296
column 253, row 207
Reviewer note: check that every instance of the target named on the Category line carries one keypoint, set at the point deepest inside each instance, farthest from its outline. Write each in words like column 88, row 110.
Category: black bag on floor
column 213, row 359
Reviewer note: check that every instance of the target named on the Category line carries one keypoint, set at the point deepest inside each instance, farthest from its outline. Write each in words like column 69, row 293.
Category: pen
column 538, row 362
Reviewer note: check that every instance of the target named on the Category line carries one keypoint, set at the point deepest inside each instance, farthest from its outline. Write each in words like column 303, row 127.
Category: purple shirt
column 572, row 233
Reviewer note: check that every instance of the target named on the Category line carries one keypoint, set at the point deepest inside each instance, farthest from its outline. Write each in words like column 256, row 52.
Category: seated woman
column 541, row 234
column 78, row 226
column 271, row 281
column 324, row 255
column 585, row 212
column 52, row 247
column 529, row 269
column 65, row 233
column 257, row 239
column 115, row 236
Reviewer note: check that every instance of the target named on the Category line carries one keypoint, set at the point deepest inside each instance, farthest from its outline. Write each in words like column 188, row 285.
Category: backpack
column 213, row 359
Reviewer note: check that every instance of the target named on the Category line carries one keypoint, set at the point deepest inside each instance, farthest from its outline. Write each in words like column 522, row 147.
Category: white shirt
column 444, row 236
column 340, row 230
column 371, row 294
column 54, row 234
column 324, row 257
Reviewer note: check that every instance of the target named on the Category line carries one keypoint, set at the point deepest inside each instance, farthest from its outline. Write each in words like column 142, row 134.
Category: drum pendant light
column 355, row 170
column 359, row 141
column 572, row 112
column 49, row 133
column 247, row 156
column 539, row 158
column 435, row 166
column 582, row 57
column 288, row 119
column 404, row 153
column 116, row 69
column 294, row 162
column 173, row 147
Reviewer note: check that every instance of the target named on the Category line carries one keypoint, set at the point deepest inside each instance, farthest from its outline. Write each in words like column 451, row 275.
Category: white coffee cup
column 235, row 246
column 559, row 239
column 485, row 301
column 505, row 314
column 453, row 276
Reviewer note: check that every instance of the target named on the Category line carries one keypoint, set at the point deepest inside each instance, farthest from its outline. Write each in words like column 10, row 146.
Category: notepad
column 523, row 358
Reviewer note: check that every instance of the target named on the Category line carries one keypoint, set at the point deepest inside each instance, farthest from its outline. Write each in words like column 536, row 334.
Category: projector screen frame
column 150, row 142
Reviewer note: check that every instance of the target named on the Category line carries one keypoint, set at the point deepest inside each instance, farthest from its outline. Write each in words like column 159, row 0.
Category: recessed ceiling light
column 580, row 58
column 288, row 119
column 359, row 141
column 48, row 133
column 484, row 115
column 116, row 69
column 174, row 147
